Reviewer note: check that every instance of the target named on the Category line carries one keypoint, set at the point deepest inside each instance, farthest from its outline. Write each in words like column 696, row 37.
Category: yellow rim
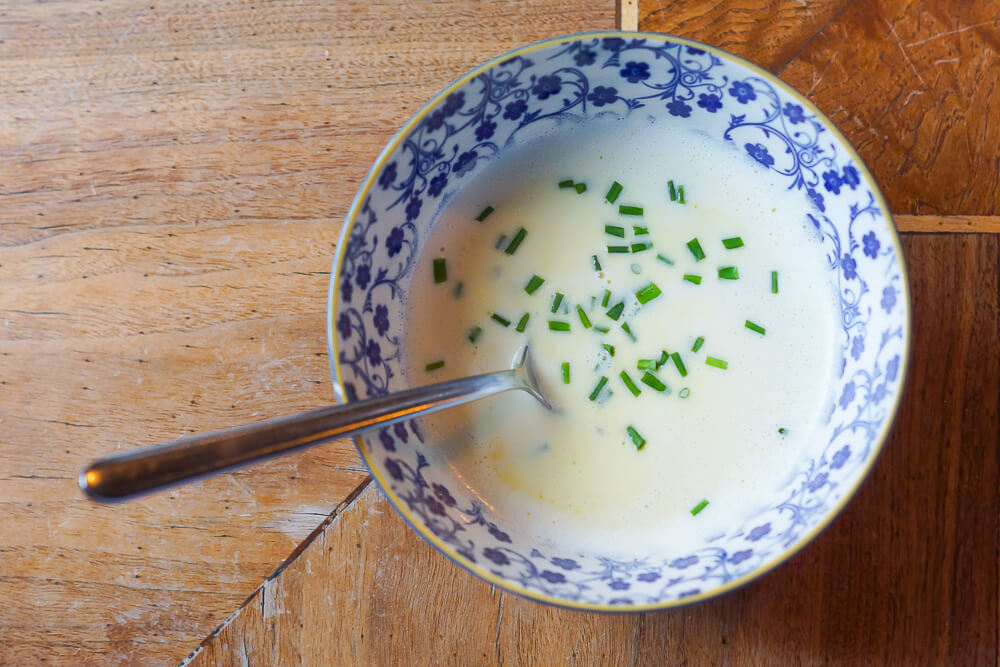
column 414, row 521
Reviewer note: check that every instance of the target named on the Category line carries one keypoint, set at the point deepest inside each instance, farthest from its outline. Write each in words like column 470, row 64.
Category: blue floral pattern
column 575, row 78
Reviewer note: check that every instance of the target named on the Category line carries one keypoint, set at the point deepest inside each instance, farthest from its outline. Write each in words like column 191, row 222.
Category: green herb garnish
column 679, row 364
column 646, row 364
column 648, row 293
column 617, row 249
column 565, row 372
column 695, row 249
column 665, row 260
column 534, row 284
column 755, row 327
column 692, row 278
column 474, row 334
column 639, row 231
column 609, row 348
column 630, row 210
column 568, row 183
column 433, row 366
column 580, row 188
column 729, row 273
column 522, row 323
column 597, row 390
column 680, row 195
column 516, row 241
column 718, row 363
column 639, row 247
column 459, row 288
column 616, row 189
column 774, row 282
column 733, row 243
column 440, row 270
column 606, row 298
column 584, row 320
column 628, row 331
column 597, row 264
column 783, row 430
column 673, row 190
column 500, row 319
column 616, row 310
column 602, row 330
column 629, row 384
column 652, row 381
column 557, row 301
column 558, row 325
column 615, row 230
column 637, row 439
column 684, row 393
column 699, row 507
column 485, row 213
column 697, row 344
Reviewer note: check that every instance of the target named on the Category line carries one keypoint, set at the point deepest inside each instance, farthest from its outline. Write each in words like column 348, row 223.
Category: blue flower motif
column 453, row 103
column 709, row 102
column 443, row 494
column 437, row 184
column 857, row 347
column 892, row 369
column 565, row 563
column 386, row 440
column 352, row 394
column 794, row 114
column 363, row 275
column 619, row 585
column 394, row 242
column 394, row 469
column 388, row 176
column 381, row 319
column 434, row 120
column 400, row 430
column 602, row 95
column 742, row 91
column 547, row 85
column 888, row 298
column 465, row 162
column 498, row 534
column 679, row 108
column 759, row 532
column 831, row 181
column 840, row 458
column 817, row 482
column 817, row 199
column 648, row 577
column 759, row 152
column 687, row 594
column 374, row 352
column 682, row 563
column 413, row 208
column 613, row 43
column 880, row 393
column 619, row 601
column 346, row 290
column 486, row 130
column 850, row 267
column 871, row 244
column 585, row 57
column 695, row 52
column 434, row 506
column 515, row 109
column 848, row 395
column 635, row 72
column 553, row 577
column 851, row 176
column 740, row 556
column 497, row 556
column 344, row 325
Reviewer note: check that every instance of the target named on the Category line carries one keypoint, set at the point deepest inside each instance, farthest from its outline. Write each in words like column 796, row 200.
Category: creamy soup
column 680, row 318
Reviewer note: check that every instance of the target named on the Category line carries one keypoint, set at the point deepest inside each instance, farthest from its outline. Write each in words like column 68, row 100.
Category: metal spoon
column 136, row 472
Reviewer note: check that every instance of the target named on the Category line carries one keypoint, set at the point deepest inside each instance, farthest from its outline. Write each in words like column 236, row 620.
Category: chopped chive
column 652, row 381
column 684, row 393
column 664, row 357
column 433, row 366
column 534, row 284
column 485, row 213
column 522, row 323
column 639, row 231
column 680, row 195
column 616, row 310
column 474, row 334
column 755, row 327
column 783, row 430
column 597, row 390
column 580, row 188
column 615, row 230
column 558, row 325
column 440, row 270
column 692, row 278
column 606, row 298
column 699, row 507
column 665, row 260
column 648, row 293
column 679, row 364
column 646, row 364
column 617, row 249
column 616, row 189
column 565, row 372
column 639, row 247
column 609, row 348
column 516, row 241
column 673, row 190
column 597, row 263
column 601, row 329
column 629, row 384
column 501, row 242
column 556, row 301
column 695, row 249
column 584, row 320
column 630, row 210
column 774, row 282
column 718, row 363
column 500, row 319
column 628, row 331
column 697, row 344
column 568, row 183
column 637, row 439
column 733, row 243
column 729, row 273
column 459, row 288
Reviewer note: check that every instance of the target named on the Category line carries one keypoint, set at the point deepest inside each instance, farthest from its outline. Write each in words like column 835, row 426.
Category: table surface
column 172, row 184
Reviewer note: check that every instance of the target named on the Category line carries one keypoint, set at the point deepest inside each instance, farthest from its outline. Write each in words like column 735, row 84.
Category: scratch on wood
column 952, row 32
column 499, row 619
column 902, row 49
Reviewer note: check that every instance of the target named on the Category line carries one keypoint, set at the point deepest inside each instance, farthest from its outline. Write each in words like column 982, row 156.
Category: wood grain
column 913, row 85
column 172, row 180
column 908, row 575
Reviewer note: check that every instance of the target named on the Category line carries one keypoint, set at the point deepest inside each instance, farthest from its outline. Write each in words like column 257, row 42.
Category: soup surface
column 688, row 347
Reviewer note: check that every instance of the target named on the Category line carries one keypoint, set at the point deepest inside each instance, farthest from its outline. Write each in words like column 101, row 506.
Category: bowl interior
column 512, row 100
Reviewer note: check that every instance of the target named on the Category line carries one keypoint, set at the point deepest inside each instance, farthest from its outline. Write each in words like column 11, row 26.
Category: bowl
column 505, row 102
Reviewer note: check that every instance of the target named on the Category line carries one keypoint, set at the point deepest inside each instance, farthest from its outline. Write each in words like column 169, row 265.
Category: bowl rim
column 426, row 533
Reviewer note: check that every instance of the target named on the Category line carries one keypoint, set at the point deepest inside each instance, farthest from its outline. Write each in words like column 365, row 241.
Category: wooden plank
column 628, row 15
column 936, row 224
column 172, row 179
column 907, row 575
column 913, row 85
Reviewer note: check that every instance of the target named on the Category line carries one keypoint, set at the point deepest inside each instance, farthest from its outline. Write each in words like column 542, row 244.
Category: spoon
column 122, row 476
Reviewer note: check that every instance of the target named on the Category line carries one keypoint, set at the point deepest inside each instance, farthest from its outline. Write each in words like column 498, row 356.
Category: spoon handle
column 139, row 471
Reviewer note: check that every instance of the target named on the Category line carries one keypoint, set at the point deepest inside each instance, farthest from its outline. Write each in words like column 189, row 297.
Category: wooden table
column 172, row 181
